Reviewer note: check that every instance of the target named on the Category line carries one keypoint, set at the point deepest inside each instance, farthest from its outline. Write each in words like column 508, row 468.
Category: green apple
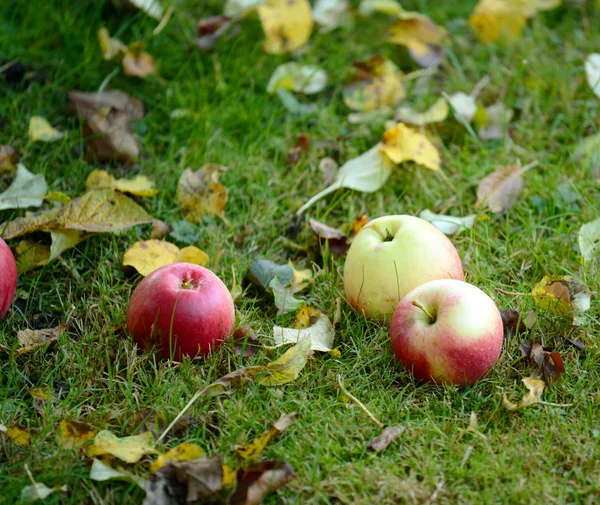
column 392, row 255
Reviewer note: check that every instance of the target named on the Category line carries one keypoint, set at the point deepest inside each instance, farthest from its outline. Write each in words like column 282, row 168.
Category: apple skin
column 378, row 273
column 460, row 346
column 185, row 301
column 8, row 277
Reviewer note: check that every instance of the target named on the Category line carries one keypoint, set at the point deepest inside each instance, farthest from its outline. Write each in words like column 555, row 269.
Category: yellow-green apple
column 392, row 255
column 182, row 310
column 8, row 277
column 447, row 331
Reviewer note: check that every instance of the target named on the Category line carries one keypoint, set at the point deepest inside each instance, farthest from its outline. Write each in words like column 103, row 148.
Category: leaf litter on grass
column 255, row 448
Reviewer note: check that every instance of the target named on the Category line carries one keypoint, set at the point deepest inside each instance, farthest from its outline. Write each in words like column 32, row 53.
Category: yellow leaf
column 140, row 64
column 31, row 254
column 255, row 448
column 302, row 279
column 99, row 179
column 287, row 24
column 63, row 239
column 229, row 477
column 149, row 255
column 8, row 159
column 404, row 144
column 73, row 434
column 562, row 294
column 391, row 7
column 41, row 130
column 320, row 332
column 421, row 36
column 533, row 396
column 435, row 114
column 20, row 436
column 58, row 196
column 183, row 452
column 377, row 83
column 128, row 449
column 139, row 186
column 289, row 365
column 199, row 193
column 491, row 27
column 42, row 394
column 307, row 316
column 110, row 47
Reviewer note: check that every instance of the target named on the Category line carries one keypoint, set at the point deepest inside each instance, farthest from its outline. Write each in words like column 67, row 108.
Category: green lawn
column 542, row 454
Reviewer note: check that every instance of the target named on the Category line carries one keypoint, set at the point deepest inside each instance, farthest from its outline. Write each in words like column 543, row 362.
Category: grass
column 542, row 454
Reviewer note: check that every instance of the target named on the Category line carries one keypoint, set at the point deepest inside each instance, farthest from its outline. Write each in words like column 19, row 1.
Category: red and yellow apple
column 8, row 277
column 392, row 255
column 182, row 310
column 447, row 331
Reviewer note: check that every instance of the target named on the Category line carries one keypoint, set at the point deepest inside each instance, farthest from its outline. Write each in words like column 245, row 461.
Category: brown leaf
column 330, row 237
column 580, row 346
column 30, row 340
column 245, row 342
column 8, row 158
column 300, row 147
column 500, row 190
column 513, row 324
column 525, row 349
column 210, row 31
column 387, row 436
column 255, row 482
column 550, row 365
column 73, row 434
column 108, row 118
column 139, row 64
column 159, row 230
column 200, row 193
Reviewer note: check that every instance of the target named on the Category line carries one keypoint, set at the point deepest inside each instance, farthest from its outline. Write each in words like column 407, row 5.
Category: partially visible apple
column 392, row 255
column 182, row 310
column 447, row 331
column 8, row 277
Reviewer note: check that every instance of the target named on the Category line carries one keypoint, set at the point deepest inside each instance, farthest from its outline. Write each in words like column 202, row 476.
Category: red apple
column 447, row 331
column 182, row 310
column 8, row 277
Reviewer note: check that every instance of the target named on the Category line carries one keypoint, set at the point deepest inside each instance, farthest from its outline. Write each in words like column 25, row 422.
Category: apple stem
column 424, row 309
column 187, row 284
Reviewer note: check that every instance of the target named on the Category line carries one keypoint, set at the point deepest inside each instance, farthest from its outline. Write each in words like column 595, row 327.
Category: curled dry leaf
column 149, row 255
column 401, row 143
column 108, row 118
column 437, row 113
column 320, row 332
column 386, row 437
column 110, row 47
column 376, row 83
column 335, row 240
column 26, row 190
column 512, row 323
column 255, row 482
column 245, row 342
column 40, row 130
column 73, row 434
column 30, row 340
column 534, row 395
column 8, row 158
column 500, row 190
column 139, row 64
column 550, row 364
column 423, row 38
column 254, row 449
column 287, row 24
column 563, row 294
column 199, row 193
column 183, row 452
column 38, row 490
column 289, row 365
column 129, row 449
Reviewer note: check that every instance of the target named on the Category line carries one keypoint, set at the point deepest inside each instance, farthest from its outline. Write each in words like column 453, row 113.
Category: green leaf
column 284, row 297
column 262, row 273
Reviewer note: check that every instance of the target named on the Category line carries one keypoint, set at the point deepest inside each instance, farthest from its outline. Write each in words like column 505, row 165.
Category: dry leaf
column 30, row 340
column 102, row 472
column 589, row 240
column 329, row 14
column 211, row 29
column 359, row 223
column 110, row 47
column 387, row 436
column 31, row 254
column 449, row 225
column 500, row 190
column 301, row 279
column 40, row 130
column 139, row 64
column 563, row 294
column 199, row 193
column 159, row 229
column 592, row 72
column 550, row 364
column 287, row 24
column 320, row 333
column 534, row 395
column 435, row 114
column 19, row 435
column 391, row 7
column 512, row 323
column 149, row 255
column 289, row 365
column 463, row 105
column 331, row 238
column 73, row 434
column 183, row 452
column 292, row 76
column 129, row 449
column 255, row 482
column 301, row 146
column 245, row 342
column 376, row 82
column 139, row 186
column 8, row 158
column 401, row 143
column 495, row 120
column 423, row 38
column 26, row 190
column 38, row 490
column 254, row 449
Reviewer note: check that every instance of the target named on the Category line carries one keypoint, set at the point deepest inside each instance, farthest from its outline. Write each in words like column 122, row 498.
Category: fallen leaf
column 500, row 190
column 40, row 397
column 40, row 130
column 401, row 143
column 449, row 225
column 20, row 436
column 287, row 24
column 512, row 323
column 329, row 14
column 359, row 223
column 300, row 147
column 533, row 396
column 580, row 346
column 376, row 82
column 285, row 301
column 292, row 76
column 73, row 434
column 39, row 491
column 262, row 272
column 563, row 294
column 245, row 342
column 550, row 364
column 100, row 472
column 58, row 196
column 30, row 340
column 435, row 114
column 387, row 436
column 149, row 255
column 463, row 105
column 129, row 449
column 159, row 229
column 301, row 280
column 138, row 186
column 139, row 64
column 255, row 482
column 183, row 452
column 391, row 7
column 497, row 116
column 320, row 334
column 289, row 365
column 307, row 316
column 589, row 240
column 423, row 38
column 367, row 172
column 31, row 254
column 9, row 158
column 26, row 190
column 331, row 238
column 241, row 8
column 254, row 449
column 592, row 72
column 108, row 118
column 291, row 103
column 199, row 193
column 110, row 47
